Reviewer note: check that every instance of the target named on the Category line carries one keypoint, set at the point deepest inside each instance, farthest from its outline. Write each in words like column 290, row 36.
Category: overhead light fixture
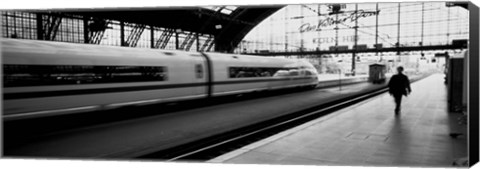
column 218, row 26
column 336, row 8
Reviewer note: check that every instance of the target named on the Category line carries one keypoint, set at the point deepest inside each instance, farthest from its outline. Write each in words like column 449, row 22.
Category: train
column 46, row 78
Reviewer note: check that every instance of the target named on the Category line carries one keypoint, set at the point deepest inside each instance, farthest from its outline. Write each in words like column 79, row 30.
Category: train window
column 294, row 72
column 39, row 75
column 248, row 72
column 308, row 73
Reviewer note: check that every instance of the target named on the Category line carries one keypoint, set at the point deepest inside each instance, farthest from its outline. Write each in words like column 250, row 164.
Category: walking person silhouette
column 399, row 85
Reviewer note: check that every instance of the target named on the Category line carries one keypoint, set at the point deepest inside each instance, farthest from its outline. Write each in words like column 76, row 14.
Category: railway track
column 214, row 146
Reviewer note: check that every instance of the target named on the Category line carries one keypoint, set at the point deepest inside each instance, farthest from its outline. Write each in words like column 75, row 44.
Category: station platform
column 369, row 134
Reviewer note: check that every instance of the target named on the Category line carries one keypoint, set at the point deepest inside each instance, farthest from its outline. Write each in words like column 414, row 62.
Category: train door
column 201, row 76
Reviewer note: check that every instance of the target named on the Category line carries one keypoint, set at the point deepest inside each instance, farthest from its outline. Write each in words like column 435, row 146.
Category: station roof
column 229, row 24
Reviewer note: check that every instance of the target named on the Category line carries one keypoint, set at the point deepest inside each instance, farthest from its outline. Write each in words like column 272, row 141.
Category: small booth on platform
column 377, row 73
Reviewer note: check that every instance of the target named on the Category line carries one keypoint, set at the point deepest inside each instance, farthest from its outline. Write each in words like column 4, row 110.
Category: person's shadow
column 400, row 139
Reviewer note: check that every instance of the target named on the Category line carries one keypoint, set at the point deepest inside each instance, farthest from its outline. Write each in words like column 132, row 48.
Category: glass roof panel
column 227, row 10
column 231, row 8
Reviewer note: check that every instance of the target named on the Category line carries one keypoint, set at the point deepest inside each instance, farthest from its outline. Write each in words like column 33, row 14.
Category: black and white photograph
column 317, row 84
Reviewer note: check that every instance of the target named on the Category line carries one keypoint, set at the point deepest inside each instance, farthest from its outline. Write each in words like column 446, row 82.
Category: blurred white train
column 43, row 78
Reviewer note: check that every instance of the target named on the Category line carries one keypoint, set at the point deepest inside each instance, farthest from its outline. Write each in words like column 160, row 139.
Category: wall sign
column 333, row 39
column 332, row 20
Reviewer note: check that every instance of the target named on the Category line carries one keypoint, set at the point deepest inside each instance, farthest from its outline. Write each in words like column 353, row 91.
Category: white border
column 86, row 4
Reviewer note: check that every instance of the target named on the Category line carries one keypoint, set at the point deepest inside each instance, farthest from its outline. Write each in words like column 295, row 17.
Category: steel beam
column 50, row 26
column 368, row 50
column 135, row 35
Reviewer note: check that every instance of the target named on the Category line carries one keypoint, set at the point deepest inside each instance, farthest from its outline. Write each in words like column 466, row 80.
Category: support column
column 122, row 33
column 336, row 44
column 6, row 24
column 376, row 33
column 301, row 32
column 152, row 37
column 448, row 26
column 318, row 46
column 177, row 45
column 286, row 26
column 86, row 37
column 40, row 31
column 398, row 31
column 421, row 41
column 14, row 34
column 355, row 46
column 198, row 41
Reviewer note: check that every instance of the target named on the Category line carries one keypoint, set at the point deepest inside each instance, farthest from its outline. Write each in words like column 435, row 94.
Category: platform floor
column 369, row 134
